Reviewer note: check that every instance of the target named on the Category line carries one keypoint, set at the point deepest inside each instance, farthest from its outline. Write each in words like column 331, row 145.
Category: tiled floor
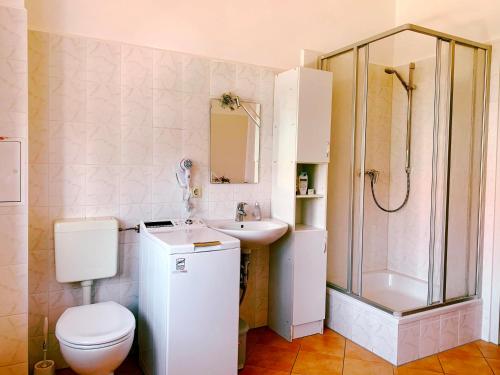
column 332, row 354
column 269, row 354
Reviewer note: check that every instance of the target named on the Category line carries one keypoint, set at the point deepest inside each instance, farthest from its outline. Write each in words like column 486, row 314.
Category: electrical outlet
column 196, row 192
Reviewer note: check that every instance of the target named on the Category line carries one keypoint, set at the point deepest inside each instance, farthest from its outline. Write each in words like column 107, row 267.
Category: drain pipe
column 87, row 291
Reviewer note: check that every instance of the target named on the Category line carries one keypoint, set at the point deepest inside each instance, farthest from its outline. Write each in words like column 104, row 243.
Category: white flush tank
column 86, row 249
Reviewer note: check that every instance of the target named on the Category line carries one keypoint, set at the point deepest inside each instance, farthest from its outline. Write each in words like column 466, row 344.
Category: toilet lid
column 95, row 324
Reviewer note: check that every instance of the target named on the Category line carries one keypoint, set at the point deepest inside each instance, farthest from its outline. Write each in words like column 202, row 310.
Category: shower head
column 407, row 86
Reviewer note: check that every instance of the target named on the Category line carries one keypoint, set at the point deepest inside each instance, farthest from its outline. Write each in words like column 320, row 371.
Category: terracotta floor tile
column 354, row 351
column 430, row 363
column 254, row 370
column 414, row 371
column 327, row 343
column 265, row 336
column 358, row 367
column 459, row 364
column 470, row 350
column 314, row 363
column 488, row 349
column 495, row 365
column 271, row 357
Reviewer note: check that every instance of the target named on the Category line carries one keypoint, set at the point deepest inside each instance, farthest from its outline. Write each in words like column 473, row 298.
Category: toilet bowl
column 96, row 338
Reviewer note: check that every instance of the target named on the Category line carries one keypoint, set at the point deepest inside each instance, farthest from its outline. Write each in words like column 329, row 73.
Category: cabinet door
column 10, row 171
column 309, row 276
column 314, row 117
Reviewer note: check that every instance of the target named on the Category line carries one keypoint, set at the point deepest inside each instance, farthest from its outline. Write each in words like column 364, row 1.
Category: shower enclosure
column 406, row 174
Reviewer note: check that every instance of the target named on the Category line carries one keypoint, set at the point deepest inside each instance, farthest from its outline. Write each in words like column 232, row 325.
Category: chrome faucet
column 240, row 211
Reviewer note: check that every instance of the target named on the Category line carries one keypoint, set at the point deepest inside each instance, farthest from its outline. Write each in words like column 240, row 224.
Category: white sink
column 262, row 232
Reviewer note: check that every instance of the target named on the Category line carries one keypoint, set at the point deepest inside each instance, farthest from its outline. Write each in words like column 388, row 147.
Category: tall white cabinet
column 301, row 134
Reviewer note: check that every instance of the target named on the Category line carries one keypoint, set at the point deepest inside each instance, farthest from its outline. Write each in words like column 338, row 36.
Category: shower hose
column 372, row 183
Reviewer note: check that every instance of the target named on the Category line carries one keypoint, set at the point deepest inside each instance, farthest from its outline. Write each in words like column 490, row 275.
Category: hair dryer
column 183, row 175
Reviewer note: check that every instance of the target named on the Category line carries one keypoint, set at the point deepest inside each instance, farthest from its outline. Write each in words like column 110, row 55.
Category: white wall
column 476, row 20
column 269, row 33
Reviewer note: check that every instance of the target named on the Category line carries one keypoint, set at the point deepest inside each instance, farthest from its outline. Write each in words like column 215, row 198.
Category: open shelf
column 305, row 227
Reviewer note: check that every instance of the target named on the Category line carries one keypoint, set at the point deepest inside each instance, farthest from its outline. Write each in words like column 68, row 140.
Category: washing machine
column 188, row 299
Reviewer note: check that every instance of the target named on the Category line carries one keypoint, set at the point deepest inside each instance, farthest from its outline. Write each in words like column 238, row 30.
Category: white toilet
column 94, row 338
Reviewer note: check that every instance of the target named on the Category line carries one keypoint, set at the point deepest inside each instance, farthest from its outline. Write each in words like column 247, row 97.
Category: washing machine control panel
column 172, row 224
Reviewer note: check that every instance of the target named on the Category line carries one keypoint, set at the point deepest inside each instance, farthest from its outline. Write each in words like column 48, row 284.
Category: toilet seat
column 95, row 326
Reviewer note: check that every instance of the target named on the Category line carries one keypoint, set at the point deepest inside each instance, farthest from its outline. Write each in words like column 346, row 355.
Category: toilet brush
column 47, row 366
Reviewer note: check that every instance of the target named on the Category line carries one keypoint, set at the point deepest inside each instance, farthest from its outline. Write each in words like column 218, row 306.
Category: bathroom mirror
column 234, row 143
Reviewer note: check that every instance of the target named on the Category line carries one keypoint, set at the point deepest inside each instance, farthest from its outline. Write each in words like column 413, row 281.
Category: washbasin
column 262, row 232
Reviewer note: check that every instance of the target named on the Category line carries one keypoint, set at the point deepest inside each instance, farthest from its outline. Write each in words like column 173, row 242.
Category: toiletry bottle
column 256, row 212
column 303, row 183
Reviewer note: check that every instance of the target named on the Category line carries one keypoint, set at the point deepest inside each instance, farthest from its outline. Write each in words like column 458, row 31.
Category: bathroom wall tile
column 14, row 124
column 103, row 62
column 67, row 142
column 129, row 296
column 165, row 187
column 67, row 99
column 13, row 229
column 13, row 43
column 66, row 184
column 448, row 333
column 195, row 112
column 385, row 341
column 67, row 57
column 102, row 210
column 172, row 209
column 429, row 336
column 135, row 185
column 468, row 325
column 106, row 292
column 13, row 343
column 38, row 76
column 59, row 301
column 167, row 109
column 35, row 353
column 363, row 326
column 39, row 184
column 408, row 342
column 137, row 66
column 220, row 192
column 248, row 81
column 167, row 67
column 103, row 144
column 129, row 263
column 13, row 289
column 39, row 142
column 103, row 103
column 167, row 147
column 17, row 369
column 221, row 209
column 132, row 214
column 196, row 75
column 222, row 78
column 136, row 145
column 102, row 185
column 38, row 309
column 39, row 268
column 13, row 83
column 137, row 106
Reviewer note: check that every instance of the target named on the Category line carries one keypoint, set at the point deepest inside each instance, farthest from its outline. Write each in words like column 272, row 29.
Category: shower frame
column 440, row 38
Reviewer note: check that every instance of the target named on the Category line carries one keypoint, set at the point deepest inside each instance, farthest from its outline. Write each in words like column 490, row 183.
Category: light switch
column 10, row 171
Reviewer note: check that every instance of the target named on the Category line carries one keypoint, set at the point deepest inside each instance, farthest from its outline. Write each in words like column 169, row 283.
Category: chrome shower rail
column 360, row 51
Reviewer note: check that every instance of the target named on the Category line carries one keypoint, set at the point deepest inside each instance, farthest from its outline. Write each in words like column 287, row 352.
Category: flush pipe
column 87, row 291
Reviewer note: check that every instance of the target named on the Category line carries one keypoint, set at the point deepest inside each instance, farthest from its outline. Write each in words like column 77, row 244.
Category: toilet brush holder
column 46, row 367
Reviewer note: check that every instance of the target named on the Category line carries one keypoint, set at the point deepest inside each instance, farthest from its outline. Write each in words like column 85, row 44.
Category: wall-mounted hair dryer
column 183, row 175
